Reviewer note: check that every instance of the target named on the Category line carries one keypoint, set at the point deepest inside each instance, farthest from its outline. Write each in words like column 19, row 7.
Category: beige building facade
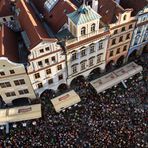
column 14, row 82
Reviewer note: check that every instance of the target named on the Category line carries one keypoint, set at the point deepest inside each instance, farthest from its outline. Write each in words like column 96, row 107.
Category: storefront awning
column 65, row 100
column 116, row 77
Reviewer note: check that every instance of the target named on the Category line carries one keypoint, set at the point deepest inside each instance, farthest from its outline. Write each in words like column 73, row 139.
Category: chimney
column 95, row 5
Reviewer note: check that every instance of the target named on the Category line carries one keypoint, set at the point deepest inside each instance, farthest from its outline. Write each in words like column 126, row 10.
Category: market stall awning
column 116, row 77
column 65, row 100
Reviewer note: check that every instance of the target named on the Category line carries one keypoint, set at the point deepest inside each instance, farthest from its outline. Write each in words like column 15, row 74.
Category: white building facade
column 47, row 68
column 14, row 81
column 140, row 36
column 87, row 50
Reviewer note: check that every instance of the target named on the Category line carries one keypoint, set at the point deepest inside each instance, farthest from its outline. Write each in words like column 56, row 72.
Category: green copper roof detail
column 83, row 15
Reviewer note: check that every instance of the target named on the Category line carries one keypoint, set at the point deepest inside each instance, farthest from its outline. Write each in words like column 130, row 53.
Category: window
column 37, row 75
column 24, row 91
column 47, row 48
column 130, row 26
column 5, row 84
column 12, row 72
column 83, row 31
column 136, row 40
column 100, row 45
column 123, row 29
column 60, row 77
column 92, row 48
column 4, row 19
column 83, row 66
column 118, row 51
column 128, row 36
column 125, row 48
column 113, row 41
column 139, row 30
column 11, row 18
column 59, row 67
column 99, row 58
column 74, row 56
column 19, row 82
column 111, row 53
column 53, row 58
column 93, row 27
column 74, row 69
column 124, row 18
column 50, row 81
column 2, row 73
column 83, row 52
column 47, row 61
column 10, row 94
column 41, row 50
column 40, row 85
column 91, row 61
column 116, row 31
column 48, row 71
column 40, row 63
column 121, row 39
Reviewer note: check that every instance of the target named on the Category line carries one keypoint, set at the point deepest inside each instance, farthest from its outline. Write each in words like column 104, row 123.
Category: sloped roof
column 56, row 18
column 137, row 5
column 31, row 25
column 83, row 15
column 109, row 10
column 8, row 44
column 5, row 8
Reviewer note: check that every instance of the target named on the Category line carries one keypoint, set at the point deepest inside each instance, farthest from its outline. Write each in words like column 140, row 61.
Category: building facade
column 140, row 36
column 46, row 68
column 14, row 82
column 86, row 48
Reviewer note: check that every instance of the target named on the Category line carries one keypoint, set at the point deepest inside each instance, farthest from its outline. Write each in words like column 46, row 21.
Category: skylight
column 49, row 4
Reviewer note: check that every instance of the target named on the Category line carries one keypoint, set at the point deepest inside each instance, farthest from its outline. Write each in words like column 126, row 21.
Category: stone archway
column 48, row 94
column 76, row 81
column 21, row 101
column 110, row 66
column 62, row 87
column 94, row 73
column 120, row 61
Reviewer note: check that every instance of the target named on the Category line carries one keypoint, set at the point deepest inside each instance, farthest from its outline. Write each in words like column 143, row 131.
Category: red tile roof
column 57, row 17
column 137, row 5
column 5, row 8
column 109, row 10
column 29, row 23
column 39, row 4
column 8, row 44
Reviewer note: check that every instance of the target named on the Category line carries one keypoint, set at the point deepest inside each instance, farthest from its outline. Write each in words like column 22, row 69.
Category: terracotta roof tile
column 29, row 23
column 5, row 8
column 57, row 17
column 109, row 10
column 8, row 44
column 137, row 5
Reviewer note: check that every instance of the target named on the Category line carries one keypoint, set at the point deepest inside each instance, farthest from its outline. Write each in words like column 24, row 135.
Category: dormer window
column 93, row 27
column 83, row 31
column 124, row 18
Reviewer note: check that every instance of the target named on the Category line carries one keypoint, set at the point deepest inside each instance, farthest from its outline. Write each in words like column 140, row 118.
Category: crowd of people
column 115, row 118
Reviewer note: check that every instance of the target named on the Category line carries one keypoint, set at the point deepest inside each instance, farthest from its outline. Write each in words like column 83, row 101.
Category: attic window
column 124, row 18
column 65, row 11
column 106, row 11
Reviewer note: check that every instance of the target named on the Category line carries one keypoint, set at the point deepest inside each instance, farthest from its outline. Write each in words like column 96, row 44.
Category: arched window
column 83, row 31
column 124, row 18
column 93, row 27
